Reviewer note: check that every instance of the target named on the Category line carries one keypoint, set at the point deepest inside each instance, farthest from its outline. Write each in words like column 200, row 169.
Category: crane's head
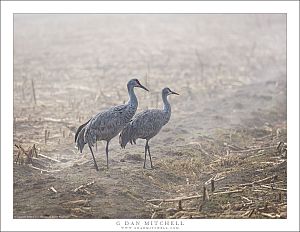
column 135, row 83
column 166, row 91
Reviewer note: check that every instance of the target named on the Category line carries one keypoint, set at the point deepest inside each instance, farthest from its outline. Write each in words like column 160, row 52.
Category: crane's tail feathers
column 125, row 136
column 80, row 128
column 79, row 136
column 80, row 140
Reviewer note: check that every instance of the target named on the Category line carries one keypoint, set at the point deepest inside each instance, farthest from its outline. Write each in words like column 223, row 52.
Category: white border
column 7, row 10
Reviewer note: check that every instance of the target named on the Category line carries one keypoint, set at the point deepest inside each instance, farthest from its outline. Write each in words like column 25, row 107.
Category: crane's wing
column 108, row 118
column 119, row 108
column 107, row 124
column 146, row 124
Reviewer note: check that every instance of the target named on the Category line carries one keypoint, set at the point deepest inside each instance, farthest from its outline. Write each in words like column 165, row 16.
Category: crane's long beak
column 143, row 87
column 174, row 93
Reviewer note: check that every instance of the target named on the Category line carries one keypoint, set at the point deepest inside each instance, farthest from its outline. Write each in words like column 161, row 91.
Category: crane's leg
column 149, row 154
column 145, row 154
column 107, row 142
column 95, row 163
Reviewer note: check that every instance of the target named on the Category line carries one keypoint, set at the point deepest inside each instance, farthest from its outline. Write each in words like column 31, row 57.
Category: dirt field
column 230, row 71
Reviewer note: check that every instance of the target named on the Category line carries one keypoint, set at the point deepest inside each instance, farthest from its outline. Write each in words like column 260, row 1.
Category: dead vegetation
column 239, row 186
column 25, row 156
column 30, row 157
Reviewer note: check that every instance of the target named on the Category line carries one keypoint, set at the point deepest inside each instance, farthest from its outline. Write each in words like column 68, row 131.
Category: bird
column 108, row 124
column 147, row 124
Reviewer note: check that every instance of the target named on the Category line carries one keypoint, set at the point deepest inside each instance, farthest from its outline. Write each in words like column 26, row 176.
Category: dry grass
column 246, row 185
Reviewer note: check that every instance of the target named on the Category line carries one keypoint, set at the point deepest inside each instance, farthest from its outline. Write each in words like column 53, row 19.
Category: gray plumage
column 106, row 125
column 147, row 124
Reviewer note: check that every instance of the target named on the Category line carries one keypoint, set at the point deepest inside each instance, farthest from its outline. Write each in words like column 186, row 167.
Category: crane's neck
column 133, row 102
column 167, row 106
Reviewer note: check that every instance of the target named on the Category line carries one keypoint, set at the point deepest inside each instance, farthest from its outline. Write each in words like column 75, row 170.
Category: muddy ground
column 230, row 71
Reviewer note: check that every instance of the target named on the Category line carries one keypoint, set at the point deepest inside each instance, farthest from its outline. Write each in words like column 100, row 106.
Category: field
column 228, row 124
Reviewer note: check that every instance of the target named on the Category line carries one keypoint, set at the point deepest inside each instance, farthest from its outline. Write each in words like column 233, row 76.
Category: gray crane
column 106, row 125
column 147, row 124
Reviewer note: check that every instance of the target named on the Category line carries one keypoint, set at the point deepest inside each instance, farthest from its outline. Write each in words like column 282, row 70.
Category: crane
column 147, row 124
column 106, row 125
